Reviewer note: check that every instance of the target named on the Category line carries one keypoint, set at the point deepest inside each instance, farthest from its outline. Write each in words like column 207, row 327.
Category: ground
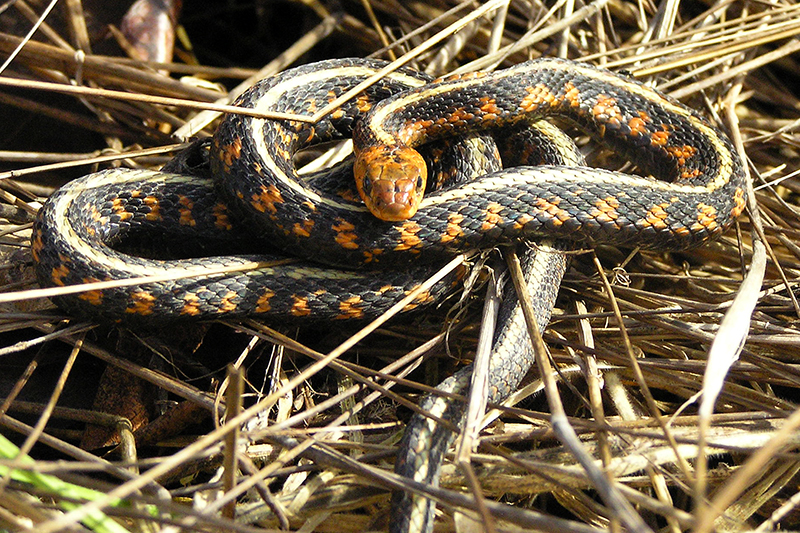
column 145, row 415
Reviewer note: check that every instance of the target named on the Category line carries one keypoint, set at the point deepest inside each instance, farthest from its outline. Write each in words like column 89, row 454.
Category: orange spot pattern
column 303, row 229
column 221, row 219
column 141, row 303
column 681, row 231
column 656, row 216
column 230, row 152
column 186, row 218
column 557, row 215
column 414, row 130
column 94, row 297
column 689, row 174
column 60, row 272
column 265, row 201
column 228, row 303
column 537, row 95
column 739, row 202
column 363, row 103
column 351, row 308
column 682, row 153
column 453, row 230
column 118, row 208
column 311, row 105
column 191, row 305
column 262, row 304
column 489, row 110
column 638, row 125
column 95, row 214
column 706, row 218
column 422, row 298
column 492, row 217
column 659, row 138
column 465, row 76
column 572, row 94
column 36, row 246
column 606, row 110
column 155, row 209
column 522, row 221
column 372, row 255
column 408, row 236
column 300, row 306
column 605, row 209
column 345, row 236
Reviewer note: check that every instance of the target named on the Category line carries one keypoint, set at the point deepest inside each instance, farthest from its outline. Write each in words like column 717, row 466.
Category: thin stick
column 80, row 90
column 27, row 38
column 92, row 160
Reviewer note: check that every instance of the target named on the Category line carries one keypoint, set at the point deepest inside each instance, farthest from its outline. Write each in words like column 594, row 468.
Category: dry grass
column 682, row 466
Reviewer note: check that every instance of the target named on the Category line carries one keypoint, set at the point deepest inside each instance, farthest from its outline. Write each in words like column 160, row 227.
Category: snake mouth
column 394, row 200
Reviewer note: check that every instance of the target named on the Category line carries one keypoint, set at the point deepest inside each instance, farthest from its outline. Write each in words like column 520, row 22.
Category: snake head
column 391, row 180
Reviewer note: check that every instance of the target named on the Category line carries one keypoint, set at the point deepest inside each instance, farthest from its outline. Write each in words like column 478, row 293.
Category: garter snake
column 698, row 193
column 251, row 160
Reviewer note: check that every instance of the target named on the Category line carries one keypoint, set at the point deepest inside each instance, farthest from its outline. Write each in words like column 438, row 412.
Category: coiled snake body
column 254, row 179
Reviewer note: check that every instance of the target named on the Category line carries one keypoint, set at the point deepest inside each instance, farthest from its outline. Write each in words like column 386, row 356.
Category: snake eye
column 420, row 183
column 366, row 186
